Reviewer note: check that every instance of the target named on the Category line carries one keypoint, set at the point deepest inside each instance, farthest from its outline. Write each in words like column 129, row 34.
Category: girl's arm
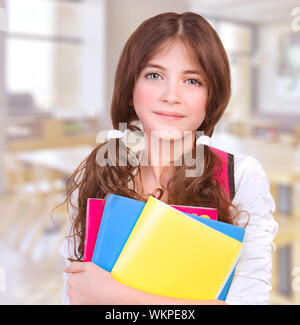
column 89, row 284
column 251, row 284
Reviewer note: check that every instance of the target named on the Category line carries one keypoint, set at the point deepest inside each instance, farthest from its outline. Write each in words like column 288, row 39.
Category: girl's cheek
column 144, row 95
column 143, row 99
column 198, row 103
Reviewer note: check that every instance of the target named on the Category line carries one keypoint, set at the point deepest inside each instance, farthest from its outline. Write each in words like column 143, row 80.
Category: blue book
column 119, row 217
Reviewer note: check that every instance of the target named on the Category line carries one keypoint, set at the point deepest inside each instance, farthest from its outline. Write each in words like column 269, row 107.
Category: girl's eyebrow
column 153, row 65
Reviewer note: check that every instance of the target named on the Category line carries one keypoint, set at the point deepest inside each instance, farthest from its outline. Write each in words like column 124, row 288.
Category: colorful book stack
column 95, row 209
column 176, row 251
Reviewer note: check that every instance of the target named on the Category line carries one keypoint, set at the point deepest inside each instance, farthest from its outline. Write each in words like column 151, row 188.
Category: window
column 47, row 57
column 45, row 17
column 47, row 71
column 237, row 40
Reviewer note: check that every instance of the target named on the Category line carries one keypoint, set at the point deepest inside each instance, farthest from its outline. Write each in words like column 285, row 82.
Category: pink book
column 209, row 213
column 94, row 211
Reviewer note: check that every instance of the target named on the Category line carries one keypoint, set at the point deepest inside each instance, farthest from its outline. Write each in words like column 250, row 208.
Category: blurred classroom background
column 57, row 65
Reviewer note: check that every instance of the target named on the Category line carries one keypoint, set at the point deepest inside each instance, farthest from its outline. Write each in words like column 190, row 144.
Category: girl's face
column 170, row 84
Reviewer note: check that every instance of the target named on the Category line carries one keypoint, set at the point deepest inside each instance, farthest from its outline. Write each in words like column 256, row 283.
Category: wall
column 278, row 81
column 2, row 100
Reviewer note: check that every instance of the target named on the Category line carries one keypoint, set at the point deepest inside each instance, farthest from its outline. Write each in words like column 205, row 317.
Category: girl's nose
column 171, row 93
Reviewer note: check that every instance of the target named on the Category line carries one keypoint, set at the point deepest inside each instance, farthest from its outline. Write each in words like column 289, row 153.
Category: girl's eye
column 195, row 82
column 155, row 76
column 152, row 74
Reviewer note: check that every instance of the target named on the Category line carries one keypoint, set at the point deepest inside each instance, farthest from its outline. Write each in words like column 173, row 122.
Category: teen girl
column 173, row 64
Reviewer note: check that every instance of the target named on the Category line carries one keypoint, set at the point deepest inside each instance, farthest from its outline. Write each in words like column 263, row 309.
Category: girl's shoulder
column 237, row 170
column 246, row 179
column 253, row 193
column 248, row 169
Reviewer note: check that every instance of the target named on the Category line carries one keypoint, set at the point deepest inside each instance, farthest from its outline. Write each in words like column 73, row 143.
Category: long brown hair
column 90, row 180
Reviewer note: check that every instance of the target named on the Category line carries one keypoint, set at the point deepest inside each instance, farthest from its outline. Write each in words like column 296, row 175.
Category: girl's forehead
column 171, row 45
column 164, row 51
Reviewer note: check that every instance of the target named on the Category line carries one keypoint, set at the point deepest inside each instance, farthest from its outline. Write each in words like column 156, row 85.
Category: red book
column 94, row 212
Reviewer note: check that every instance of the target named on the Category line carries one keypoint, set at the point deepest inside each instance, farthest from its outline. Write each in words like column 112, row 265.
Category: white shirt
column 251, row 283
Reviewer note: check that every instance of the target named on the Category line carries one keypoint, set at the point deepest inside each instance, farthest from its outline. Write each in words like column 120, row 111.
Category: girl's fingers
column 75, row 267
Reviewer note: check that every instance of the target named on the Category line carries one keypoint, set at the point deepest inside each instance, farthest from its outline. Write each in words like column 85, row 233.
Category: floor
column 26, row 279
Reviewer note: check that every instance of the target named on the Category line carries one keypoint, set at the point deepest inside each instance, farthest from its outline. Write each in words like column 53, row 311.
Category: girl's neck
column 146, row 183
column 161, row 153
column 156, row 168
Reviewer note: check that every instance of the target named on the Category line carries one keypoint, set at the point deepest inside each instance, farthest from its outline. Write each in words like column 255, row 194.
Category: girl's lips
column 169, row 117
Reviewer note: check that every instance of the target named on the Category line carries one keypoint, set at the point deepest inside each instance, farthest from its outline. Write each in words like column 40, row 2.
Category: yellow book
column 171, row 254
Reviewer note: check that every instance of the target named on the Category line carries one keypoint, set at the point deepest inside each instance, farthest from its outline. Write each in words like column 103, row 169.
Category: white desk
column 64, row 160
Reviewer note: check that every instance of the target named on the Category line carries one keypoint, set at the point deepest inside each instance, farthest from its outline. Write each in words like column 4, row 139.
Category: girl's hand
column 89, row 284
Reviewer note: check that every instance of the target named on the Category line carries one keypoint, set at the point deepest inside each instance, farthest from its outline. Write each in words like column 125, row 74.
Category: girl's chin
column 165, row 134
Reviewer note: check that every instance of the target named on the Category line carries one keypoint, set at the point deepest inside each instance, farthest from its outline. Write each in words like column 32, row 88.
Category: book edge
column 229, row 273
column 189, row 216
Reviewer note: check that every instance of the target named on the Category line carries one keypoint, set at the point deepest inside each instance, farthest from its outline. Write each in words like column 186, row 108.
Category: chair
column 31, row 195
